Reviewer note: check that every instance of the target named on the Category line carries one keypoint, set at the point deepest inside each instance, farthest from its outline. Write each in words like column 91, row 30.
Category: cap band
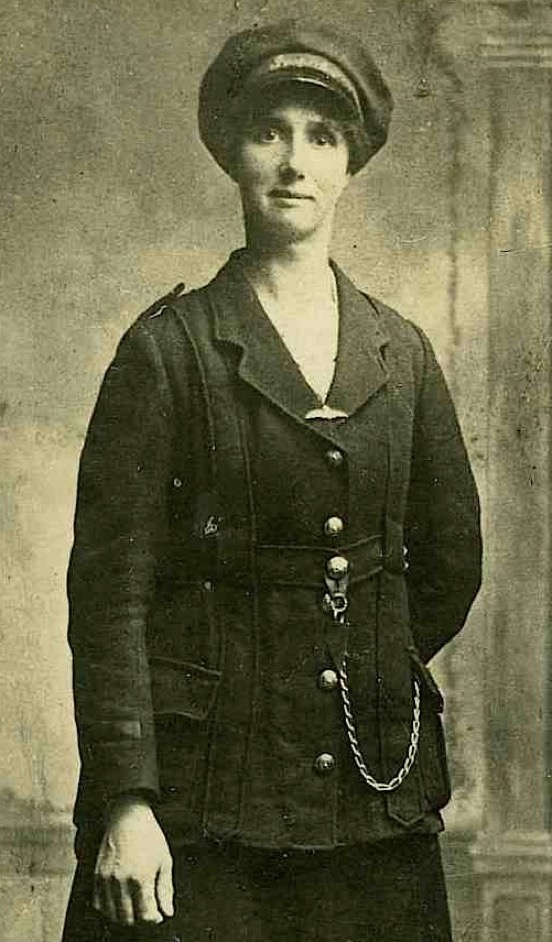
column 306, row 67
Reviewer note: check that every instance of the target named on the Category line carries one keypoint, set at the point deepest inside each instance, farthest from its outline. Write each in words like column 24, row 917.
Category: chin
column 292, row 223
column 290, row 230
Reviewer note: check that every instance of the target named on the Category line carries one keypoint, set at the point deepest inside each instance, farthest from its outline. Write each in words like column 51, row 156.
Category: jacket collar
column 265, row 362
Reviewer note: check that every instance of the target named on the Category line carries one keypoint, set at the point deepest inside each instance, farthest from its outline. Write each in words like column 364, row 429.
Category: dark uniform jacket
column 205, row 658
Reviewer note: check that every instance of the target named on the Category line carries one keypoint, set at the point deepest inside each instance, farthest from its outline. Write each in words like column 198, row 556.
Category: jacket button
column 334, row 457
column 327, row 680
column 324, row 763
column 337, row 567
column 333, row 526
column 177, row 482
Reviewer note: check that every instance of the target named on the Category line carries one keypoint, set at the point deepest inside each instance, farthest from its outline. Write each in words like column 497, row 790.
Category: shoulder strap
column 158, row 306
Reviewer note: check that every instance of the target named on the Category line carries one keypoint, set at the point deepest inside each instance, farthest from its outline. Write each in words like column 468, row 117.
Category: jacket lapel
column 266, row 364
column 360, row 371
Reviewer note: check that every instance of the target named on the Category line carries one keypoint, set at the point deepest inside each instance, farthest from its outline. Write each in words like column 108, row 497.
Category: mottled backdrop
column 108, row 199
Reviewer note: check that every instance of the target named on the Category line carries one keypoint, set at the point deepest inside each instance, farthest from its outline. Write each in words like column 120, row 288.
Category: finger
column 122, row 897
column 98, row 883
column 100, row 899
column 97, row 894
column 108, row 898
column 164, row 888
column 145, row 903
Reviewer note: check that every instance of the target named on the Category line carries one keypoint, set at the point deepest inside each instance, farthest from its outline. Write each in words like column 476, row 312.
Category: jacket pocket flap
column 182, row 689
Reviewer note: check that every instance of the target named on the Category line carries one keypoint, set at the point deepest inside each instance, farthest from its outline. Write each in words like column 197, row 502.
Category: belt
column 307, row 565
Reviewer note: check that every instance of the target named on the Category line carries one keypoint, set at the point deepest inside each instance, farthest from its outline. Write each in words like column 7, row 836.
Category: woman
column 277, row 527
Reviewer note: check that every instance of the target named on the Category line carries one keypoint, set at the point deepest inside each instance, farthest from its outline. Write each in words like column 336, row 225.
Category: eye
column 265, row 134
column 324, row 136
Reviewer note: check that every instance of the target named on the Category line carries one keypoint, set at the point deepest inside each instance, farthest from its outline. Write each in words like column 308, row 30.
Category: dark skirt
column 393, row 891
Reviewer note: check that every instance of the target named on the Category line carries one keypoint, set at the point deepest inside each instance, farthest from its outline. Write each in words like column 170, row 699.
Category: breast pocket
column 184, row 696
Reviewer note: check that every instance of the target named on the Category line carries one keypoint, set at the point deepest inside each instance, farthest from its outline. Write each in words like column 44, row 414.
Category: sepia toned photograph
column 276, row 438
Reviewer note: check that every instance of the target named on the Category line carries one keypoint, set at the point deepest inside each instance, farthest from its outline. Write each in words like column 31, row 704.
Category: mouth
column 281, row 193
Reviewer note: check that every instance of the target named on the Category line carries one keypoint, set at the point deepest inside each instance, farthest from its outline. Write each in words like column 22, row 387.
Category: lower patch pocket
column 183, row 696
column 432, row 747
column 427, row 786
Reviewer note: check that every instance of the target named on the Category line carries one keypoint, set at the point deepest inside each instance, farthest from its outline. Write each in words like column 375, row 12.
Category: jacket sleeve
column 443, row 522
column 120, row 529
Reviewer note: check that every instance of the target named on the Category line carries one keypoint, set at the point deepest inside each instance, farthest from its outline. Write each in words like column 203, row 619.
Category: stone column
column 513, row 852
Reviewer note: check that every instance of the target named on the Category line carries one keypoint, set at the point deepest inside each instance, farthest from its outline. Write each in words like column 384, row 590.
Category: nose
column 292, row 162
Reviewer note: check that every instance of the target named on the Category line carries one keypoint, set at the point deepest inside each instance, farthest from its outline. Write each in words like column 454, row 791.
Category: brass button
column 324, row 763
column 337, row 567
column 333, row 526
column 334, row 457
column 327, row 680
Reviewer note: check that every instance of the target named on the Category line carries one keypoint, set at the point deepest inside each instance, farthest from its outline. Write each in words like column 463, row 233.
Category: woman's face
column 291, row 168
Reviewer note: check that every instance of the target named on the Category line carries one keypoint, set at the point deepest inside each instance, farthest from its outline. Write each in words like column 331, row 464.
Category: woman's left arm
column 443, row 523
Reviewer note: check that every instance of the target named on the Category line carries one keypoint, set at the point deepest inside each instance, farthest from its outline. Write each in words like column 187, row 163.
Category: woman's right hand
column 133, row 874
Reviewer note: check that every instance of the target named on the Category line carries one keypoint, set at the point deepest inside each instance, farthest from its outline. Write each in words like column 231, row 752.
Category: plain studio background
column 108, row 199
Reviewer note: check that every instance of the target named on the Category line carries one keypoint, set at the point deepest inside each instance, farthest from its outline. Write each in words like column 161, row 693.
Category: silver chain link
column 336, row 602
column 399, row 778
